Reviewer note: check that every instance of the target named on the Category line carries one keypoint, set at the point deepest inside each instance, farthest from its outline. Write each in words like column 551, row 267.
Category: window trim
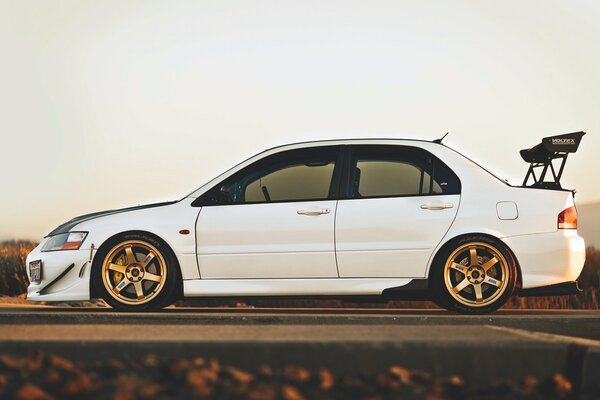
column 334, row 187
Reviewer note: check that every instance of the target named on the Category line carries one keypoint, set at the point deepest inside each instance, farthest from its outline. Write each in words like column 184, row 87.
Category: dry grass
column 13, row 277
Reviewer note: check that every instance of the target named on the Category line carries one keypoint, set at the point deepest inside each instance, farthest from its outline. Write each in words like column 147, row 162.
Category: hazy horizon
column 110, row 104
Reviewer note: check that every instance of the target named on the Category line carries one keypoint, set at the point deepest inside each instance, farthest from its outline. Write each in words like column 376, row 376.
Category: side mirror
column 214, row 197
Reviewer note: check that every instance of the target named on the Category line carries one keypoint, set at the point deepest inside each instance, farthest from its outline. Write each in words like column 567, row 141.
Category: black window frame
column 334, row 188
column 433, row 162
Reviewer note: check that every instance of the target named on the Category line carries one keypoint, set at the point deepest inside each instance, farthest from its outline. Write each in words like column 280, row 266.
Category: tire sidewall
column 444, row 299
column 168, row 293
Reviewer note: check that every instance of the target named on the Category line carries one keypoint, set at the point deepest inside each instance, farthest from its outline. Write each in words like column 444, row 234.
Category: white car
column 343, row 218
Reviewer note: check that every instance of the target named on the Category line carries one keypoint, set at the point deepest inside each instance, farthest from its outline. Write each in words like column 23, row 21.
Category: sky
column 107, row 104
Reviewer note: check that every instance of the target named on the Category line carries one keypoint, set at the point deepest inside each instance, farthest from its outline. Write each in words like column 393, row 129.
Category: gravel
column 47, row 376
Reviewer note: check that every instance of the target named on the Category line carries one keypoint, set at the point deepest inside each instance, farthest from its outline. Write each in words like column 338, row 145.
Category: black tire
column 165, row 292
column 455, row 261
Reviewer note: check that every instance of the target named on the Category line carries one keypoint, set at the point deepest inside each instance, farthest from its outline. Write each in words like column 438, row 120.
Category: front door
column 273, row 219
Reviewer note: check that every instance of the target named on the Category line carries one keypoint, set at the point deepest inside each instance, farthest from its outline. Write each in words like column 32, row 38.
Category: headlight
column 65, row 241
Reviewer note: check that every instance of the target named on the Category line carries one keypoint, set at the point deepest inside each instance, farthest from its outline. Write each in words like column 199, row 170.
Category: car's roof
column 365, row 140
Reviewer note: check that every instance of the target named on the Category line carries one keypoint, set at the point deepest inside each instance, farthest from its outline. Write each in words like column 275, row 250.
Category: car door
column 400, row 202
column 273, row 219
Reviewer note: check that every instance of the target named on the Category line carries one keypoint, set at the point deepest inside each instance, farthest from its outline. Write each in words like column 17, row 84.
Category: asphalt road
column 504, row 344
column 16, row 321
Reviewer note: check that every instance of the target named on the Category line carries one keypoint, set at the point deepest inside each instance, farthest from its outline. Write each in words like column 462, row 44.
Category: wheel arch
column 452, row 242
column 110, row 241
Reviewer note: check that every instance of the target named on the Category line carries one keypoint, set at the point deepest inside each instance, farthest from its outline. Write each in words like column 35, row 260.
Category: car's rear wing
column 542, row 155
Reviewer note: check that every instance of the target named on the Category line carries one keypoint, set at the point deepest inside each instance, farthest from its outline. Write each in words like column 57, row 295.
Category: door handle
column 436, row 206
column 314, row 211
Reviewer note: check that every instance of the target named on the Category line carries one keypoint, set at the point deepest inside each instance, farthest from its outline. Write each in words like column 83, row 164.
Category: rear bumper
column 559, row 289
column 548, row 258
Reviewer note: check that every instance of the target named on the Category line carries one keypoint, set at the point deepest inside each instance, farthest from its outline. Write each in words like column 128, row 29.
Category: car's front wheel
column 136, row 273
column 474, row 276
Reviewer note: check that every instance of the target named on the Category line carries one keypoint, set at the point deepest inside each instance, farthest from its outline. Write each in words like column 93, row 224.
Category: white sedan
column 344, row 218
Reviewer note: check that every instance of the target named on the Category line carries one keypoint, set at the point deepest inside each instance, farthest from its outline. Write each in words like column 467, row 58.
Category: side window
column 386, row 171
column 292, row 182
column 386, row 178
column 294, row 175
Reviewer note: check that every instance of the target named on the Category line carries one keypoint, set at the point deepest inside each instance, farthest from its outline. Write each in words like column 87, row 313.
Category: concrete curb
column 590, row 372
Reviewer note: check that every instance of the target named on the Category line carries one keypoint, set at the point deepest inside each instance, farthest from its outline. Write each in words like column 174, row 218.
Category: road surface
column 506, row 344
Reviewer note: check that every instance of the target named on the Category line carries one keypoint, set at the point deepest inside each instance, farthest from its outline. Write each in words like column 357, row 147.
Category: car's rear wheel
column 476, row 275
column 136, row 273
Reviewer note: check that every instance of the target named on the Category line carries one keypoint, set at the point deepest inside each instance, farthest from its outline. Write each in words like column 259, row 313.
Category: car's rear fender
column 534, row 211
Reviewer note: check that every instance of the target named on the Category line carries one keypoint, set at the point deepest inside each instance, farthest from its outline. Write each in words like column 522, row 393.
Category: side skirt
column 353, row 289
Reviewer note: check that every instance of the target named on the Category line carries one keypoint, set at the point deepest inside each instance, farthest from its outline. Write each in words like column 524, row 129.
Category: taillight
column 567, row 219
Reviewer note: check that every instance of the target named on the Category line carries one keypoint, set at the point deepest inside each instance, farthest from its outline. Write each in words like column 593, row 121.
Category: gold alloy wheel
column 476, row 274
column 134, row 272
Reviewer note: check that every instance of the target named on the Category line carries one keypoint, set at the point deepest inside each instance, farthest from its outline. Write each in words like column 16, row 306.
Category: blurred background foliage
column 13, row 277
column 13, row 283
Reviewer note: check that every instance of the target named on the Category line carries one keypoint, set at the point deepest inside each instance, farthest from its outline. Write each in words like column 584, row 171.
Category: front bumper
column 548, row 258
column 65, row 275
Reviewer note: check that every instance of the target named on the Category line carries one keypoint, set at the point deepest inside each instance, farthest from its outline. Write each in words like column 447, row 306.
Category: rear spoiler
column 542, row 155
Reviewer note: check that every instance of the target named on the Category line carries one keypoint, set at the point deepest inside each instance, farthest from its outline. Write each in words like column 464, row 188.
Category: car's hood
column 67, row 226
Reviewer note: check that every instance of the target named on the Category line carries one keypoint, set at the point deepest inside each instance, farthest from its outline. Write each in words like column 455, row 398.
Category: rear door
column 399, row 203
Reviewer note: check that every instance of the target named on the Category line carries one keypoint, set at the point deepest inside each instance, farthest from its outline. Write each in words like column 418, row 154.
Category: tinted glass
column 294, row 175
column 444, row 180
column 293, row 182
column 386, row 178
column 384, row 171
